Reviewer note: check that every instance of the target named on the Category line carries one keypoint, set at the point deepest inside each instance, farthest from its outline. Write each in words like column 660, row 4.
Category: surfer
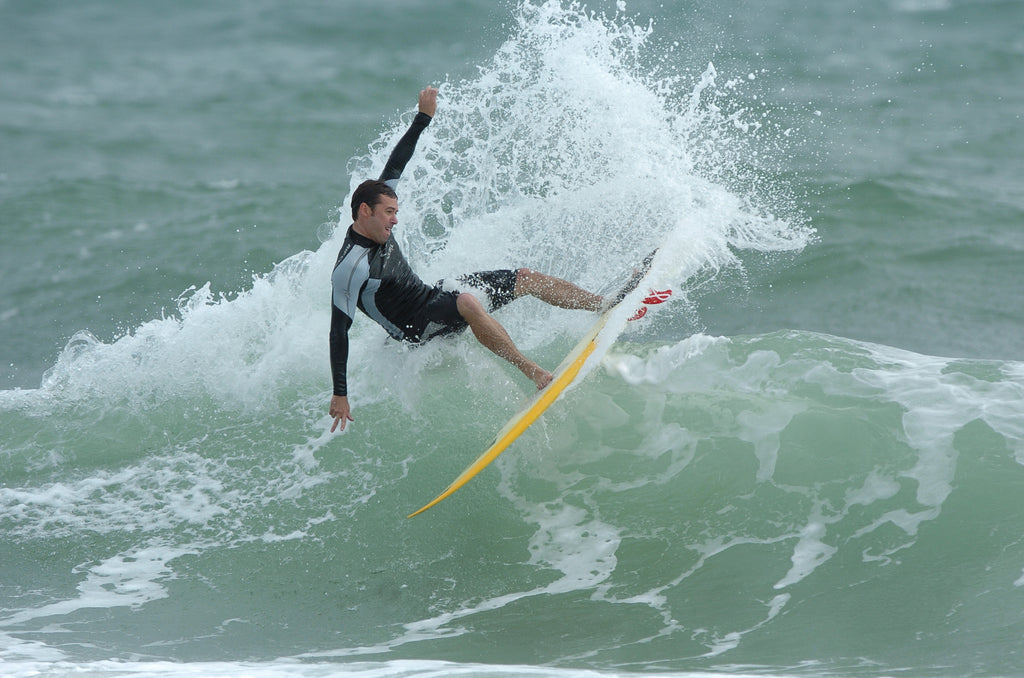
column 371, row 274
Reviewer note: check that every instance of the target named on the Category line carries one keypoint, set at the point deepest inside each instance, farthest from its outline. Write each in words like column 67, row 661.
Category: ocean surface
column 810, row 462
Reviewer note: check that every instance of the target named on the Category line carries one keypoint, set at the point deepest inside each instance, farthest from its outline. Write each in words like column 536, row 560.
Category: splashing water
column 570, row 153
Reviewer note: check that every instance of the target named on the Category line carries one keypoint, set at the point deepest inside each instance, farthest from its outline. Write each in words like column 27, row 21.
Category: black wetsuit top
column 377, row 279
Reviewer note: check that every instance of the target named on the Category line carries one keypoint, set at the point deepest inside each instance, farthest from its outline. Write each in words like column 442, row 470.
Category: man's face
column 376, row 223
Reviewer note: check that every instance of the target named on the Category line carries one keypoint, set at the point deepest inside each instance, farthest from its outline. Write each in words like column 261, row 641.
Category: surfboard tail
column 634, row 280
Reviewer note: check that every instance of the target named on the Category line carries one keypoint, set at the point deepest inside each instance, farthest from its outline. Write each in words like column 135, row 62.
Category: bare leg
column 493, row 336
column 555, row 291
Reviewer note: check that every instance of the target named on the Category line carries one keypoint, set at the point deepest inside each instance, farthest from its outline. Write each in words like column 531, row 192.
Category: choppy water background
column 809, row 463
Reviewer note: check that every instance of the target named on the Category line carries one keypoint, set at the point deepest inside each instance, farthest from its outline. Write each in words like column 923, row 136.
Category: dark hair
column 370, row 192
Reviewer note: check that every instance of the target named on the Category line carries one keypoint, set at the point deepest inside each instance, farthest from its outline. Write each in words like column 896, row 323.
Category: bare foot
column 538, row 375
column 543, row 379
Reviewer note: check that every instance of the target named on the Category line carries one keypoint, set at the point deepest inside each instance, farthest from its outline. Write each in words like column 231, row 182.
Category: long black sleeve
column 404, row 149
column 340, row 324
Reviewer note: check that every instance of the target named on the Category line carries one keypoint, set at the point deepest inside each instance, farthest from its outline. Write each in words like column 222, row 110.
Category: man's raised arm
column 403, row 151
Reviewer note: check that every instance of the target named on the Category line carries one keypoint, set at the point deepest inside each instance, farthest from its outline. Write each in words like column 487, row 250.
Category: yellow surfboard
column 564, row 375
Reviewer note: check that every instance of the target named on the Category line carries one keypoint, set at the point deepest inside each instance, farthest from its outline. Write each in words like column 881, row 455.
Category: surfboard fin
column 653, row 298
column 656, row 297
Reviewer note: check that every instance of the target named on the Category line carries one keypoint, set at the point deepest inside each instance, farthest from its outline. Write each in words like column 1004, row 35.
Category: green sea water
column 807, row 463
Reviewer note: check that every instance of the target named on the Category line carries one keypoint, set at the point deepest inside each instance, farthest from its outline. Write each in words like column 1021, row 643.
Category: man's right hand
column 340, row 411
column 428, row 101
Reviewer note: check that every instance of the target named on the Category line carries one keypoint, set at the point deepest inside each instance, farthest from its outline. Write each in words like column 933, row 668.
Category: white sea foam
column 126, row 580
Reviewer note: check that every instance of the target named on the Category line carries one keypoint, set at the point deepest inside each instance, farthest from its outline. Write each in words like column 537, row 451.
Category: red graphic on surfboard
column 653, row 298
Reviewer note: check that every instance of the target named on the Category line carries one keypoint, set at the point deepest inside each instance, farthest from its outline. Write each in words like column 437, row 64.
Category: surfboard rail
column 564, row 375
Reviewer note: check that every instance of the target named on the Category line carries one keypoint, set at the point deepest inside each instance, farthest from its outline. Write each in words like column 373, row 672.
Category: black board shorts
column 441, row 314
